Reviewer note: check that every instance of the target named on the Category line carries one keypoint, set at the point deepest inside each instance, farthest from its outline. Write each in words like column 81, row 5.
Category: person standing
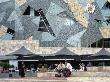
column 22, row 71
column 32, row 68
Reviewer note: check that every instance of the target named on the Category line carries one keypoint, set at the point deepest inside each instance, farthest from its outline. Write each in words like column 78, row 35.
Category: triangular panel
column 93, row 33
column 54, row 9
column 106, row 5
column 56, row 23
column 13, row 16
column 76, row 39
column 36, row 20
column 47, row 37
column 27, row 11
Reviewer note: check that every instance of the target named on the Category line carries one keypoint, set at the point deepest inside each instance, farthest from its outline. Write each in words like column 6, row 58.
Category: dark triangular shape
column 27, row 11
column 45, row 28
column 42, row 13
column 36, row 13
column 106, row 5
column 42, row 27
column 44, row 24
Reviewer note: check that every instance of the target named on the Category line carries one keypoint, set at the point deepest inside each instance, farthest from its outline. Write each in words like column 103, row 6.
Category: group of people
column 64, row 69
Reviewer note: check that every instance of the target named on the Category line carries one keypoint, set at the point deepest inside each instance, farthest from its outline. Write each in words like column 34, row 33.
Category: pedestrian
column 22, row 71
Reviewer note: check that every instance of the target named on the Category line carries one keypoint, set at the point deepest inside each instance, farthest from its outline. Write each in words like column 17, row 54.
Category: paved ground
column 89, row 79
column 32, row 77
column 16, row 75
column 70, row 79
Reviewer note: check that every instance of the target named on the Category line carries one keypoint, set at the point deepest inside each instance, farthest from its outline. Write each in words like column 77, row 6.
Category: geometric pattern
column 45, row 38
column 36, row 21
column 79, row 15
column 44, row 25
column 1, row 16
column 54, row 23
column 93, row 33
column 76, row 39
column 106, row 5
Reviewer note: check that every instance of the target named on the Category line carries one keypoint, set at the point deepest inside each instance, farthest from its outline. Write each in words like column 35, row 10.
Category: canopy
column 85, row 55
column 62, row 57
column 21, row 51
column 102, row 52
column 8, row 57
column 64, row 51
column 31, row 58
column 101, row 55
column 63, row 54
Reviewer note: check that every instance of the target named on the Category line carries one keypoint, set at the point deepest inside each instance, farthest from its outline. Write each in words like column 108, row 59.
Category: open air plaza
column 76, row 78
column 93, row 72
column 73, row 79
column 54, row 40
